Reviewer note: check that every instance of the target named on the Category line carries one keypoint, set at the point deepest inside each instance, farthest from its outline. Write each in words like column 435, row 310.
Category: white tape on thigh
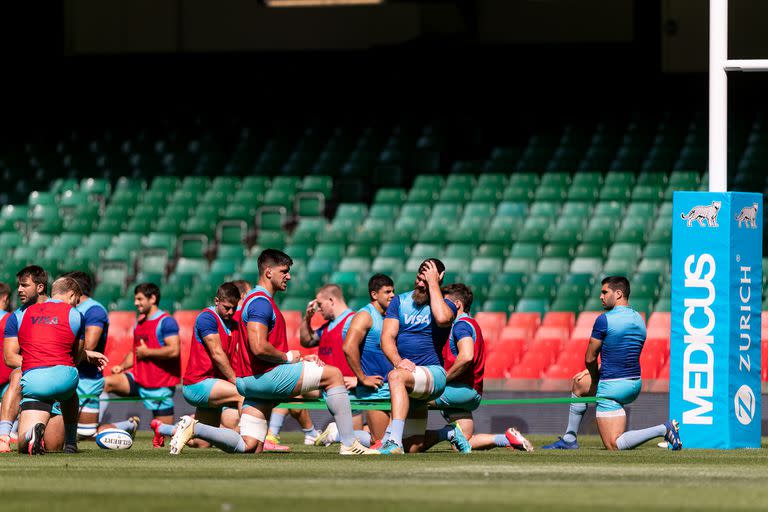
column 311, row 375
column 414, row 427
column 610, row 414
column 423, row 385
column 251, row 426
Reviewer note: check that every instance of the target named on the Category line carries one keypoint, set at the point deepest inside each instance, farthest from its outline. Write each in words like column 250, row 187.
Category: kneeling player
column 209, row 380
column 464, row 359
column 415, row 329
column 154, row 360
column 268, row 373
column 619, row 334
column 50, row 343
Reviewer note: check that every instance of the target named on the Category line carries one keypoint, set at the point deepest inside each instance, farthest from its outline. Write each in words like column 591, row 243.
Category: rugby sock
column 575, row 415
column 126, row 425
column 5, row 428
column 386, row 434
column 445, row 433
column 396, row 433
column 501, row 441
column 337, row 401
column 70, row 434
column 632, row 438
column 223, row 438
column 85, row 430
column 310, row 432
column 276, row 423
column 364, row 437
column 166, row 430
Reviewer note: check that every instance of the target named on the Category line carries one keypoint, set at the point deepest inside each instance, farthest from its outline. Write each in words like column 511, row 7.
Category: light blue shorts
column 458, row 398
column 277, row 384
column 438, row 383
column 366, row 393
column 198, row 394
column 48, row 385
column 88, row 386
column 163, row 403
column 613, row 395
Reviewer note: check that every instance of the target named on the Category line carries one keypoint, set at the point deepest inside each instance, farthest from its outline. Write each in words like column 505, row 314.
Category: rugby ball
column 114, row 439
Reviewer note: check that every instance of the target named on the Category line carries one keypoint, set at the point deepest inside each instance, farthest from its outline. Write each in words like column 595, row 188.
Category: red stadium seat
column 552, row 333
column 530, row 320
column 497, row 364
column 122, row 321
column 559, row 319
column 659, row 319
column 116, row 350
column 559, row 372
column 536, row 360
column 651, row 360
column 663, row 373
column 571, row 360
column 657, row 345
column 511, row 347
column 547, row 347
column 522, row 371
column 587, row 319
column 491, row 320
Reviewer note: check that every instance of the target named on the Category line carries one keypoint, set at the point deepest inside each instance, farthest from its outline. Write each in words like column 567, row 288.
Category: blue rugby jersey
column 372, row 358
column 622, row 332
column 94, row 314
column 419, row 339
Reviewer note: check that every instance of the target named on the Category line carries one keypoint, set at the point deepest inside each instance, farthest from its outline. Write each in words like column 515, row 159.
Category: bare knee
column 332, row 376
column 396, row 378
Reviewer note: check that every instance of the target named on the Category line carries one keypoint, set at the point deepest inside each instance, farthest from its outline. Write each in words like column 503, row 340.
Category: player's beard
column 420, row 297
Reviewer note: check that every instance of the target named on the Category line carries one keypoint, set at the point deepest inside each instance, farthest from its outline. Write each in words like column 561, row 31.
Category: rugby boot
column 517, row 441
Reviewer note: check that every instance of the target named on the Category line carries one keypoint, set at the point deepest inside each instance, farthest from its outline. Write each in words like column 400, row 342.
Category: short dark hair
column 5, row 290
column 460, row 291
column 228, row 291
column 377, row 282
column 148, row 290
column 439, row 264
column 617, row 283
column 37, row 274
column 273, row 258
column 83, row 279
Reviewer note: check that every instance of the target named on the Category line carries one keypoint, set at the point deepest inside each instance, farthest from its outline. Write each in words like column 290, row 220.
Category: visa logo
column 416, row 320
column 45, row 320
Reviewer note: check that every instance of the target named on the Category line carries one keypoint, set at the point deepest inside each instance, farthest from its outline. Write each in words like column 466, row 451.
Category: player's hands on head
column 406, row 364
column 350, row 382
column 430, row 273
column 97, row 359
column 372, row 381
column 311, row 308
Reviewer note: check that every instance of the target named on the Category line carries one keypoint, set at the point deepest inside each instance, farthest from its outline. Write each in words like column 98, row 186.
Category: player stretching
column 268, row 372
column 618, row 336
column 154, row 361
column 329, row 338
column 464, row 357
column 368, row 362
column 49, row 343
column 414, row 332
column 32, row 289
column 91, row 380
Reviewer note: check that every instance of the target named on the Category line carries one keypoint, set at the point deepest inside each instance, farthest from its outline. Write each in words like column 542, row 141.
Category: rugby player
column 464, row 361
column 32, row 283
column 269, row 373
column 329, row 338
column 415, row 329
column 49, row 343
column 618, row 336
column 91, row 378
column 154, row 362
column 5, row 370
column 362, row 348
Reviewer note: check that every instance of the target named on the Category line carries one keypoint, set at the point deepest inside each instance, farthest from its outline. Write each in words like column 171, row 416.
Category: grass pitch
column 315, row 479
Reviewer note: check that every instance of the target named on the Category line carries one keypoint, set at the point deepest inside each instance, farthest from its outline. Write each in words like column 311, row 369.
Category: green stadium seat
column 387, row 265
column 493, row 250
column 619, row 267
column 395, row 196
column 647, row 193
column 487, row 265
column 601, row 230
column 553, row 265
column 560, row 249
column 586, row 265
column 519, row 265
column 571, row 304
column 516, row 193
column 195, row 266
column 617, row 193
column 532, row 305
column 354, row 264
column 657, row 250
column 583, row 193
column 460, row 250
column 591, row 250
column 498, row 306
column 626, row 251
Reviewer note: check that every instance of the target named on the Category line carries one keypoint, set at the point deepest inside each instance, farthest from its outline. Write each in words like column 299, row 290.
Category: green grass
column 315, row 479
